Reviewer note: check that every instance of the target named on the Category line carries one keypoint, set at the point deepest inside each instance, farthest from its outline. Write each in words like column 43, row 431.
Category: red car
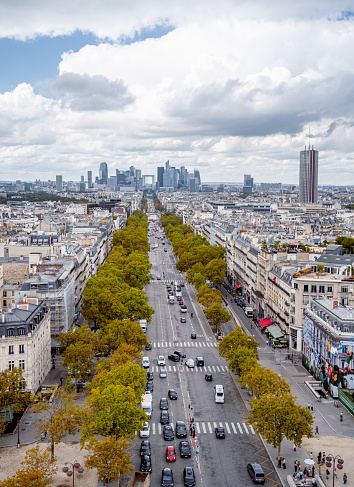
column 170, row 454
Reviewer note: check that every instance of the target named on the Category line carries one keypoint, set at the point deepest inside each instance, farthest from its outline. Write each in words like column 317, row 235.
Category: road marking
column 197, row 428
column 159, row 428
column 244, row 425
column 252, row 430
column 234, row 429
column 218, row 368
column 240, row 429
column 227, row 428
column 153, row 428
column 213, row 367
column 204, row 428
column 215, row 425
column 209, row 426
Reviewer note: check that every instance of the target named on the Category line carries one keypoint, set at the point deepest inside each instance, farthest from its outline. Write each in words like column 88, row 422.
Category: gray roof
column 347, row 259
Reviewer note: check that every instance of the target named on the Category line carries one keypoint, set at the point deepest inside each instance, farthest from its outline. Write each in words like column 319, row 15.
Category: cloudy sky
column 228, row 87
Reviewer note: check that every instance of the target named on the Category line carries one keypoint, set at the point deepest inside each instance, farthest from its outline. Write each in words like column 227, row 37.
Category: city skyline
column 227, row 89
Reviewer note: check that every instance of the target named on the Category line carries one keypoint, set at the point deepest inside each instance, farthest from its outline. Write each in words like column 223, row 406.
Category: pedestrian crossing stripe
column 208, row 427
column 184, row 344
column 176, row 368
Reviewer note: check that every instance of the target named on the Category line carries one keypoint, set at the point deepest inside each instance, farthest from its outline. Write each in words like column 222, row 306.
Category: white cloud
column 226, row 88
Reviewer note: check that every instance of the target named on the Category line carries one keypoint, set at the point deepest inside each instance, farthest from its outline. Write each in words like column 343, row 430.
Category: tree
column 241, row 359
column 137, row 270
column 12, row 395
column 237, row 338
column 37, row 470
column 118, row 332
column 215, row 271
column 279, row 417
column 58, row 417
column 123, row 354
column 207, row 296
column 78, row 358
column 320, row 268
column 110, row 458
column 83, row 334
column 261, row 380
column 217, row 314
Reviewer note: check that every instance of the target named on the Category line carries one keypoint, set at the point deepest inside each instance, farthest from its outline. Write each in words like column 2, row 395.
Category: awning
column 275, row 332
column 264, row 323
column 237, row 285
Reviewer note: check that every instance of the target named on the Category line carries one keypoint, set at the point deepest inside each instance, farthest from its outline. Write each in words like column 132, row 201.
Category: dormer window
column 10, row 332
column 21, row 331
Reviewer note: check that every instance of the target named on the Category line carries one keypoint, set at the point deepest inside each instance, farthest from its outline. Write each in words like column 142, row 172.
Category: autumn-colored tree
column 261, row 380
column 118, row 332
column 137, row 270
column 12, row 385
column 217, row 314
column 123, row 354
column 110, row 458
column 215, row 271
column 36, row 470
column 237, row 338
column 279, row 416
column 58, row 418
column 241, row 358
column 82, row 334
column 207, row 296
column 78, row 358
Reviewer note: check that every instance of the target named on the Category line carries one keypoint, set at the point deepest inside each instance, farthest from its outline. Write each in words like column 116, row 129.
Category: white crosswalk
column 177, row 368
column 208, row 427
column 192, row 344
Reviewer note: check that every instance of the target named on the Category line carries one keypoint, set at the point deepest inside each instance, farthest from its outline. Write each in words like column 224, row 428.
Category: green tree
column 59, row 417
column 237, row 338
column 12, row 396
column 278, row 417
column 37, row 470
column 261, row 380
column 117, row 332
column 217, row 314
column 241, row 359
column 78, row 358
column 82, row 334
column 110, row 458
column 320, row 267
column 207, row 296
column 215, row 271
column 137, row 270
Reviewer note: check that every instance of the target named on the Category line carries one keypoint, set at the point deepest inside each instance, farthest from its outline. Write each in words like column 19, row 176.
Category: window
column 344, row 289
column 344, row 301
column 321, row 289
column 21, row 331
column 11, row 364
column 296, row 286
column 5, row 303
column 305, row 300
column 10, row 332
column 11, row 350
column 306, row 288
column 21, row 349
column 4, row 294
column 330, row 289
column 21, row 364
column 313, row 288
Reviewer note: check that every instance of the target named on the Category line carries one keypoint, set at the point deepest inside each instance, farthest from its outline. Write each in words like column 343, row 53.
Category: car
column 185, row 449
column 163, row 404
column 199, row 362
column 167, row 478
column 220, row 335
column 170, row 454
column 183, row 319
column 172, row 394
column 150, row 375
column 181, row 430
column 208, row 377
column 145, row 362
column 79, row 383
column 193, row 336
column 158, row 277
column 179, row 298
column 188, row 477
column 170, row 293
column 190, row 363
column 183, row 308
column 163, row 374
column 145, row 448
column 174, row 358
column 181, row 354
column 220, row 432
column 145, row 432
column 149, row 386
column 165, row 250
column 182, row 284
column 148, row 346
column 164, row 417
column 145, row 463
column 181, row 302
column 161, row 360
column 168, row 433
column 256, row 473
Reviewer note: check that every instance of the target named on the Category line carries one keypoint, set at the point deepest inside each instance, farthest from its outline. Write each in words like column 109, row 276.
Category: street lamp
column 70, row 473
column 338, row 458
column 18, row 433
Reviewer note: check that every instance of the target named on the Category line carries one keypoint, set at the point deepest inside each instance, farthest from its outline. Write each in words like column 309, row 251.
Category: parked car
column 185, row 449
column 145, row 432
column 150, row 375
column 172, row 394
column 145, row 448
column 256, row 473
column 188, row 477
column 148, row 346
column 149, row 386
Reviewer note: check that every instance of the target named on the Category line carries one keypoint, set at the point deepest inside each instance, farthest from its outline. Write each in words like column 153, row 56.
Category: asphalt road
column 220, row 462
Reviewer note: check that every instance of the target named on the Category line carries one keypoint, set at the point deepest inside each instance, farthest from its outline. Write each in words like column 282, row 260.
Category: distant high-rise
column 59, row 183
column 197, row 177
column 160, row 171
column 308, row 175
column 89, row 179
column 247, row 183
column 82, row 179
column 103, row 175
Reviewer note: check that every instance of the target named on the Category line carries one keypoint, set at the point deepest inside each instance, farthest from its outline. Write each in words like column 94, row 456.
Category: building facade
column 308, row 176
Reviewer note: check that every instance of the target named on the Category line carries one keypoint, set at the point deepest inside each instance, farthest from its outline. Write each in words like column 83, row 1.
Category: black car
column 220, row 432
column 185, row 449
column 208, row 377
column 256, row 473
column 174, row 358
column 193, row 336
column 149, row 386
column 199, row 362
column 172, row 394
column 164, row 417
column 168, row 433
column 150, row 375
column 181, row 430
column 148, row 346
column 183, row 319
column 145, row 448
column 163, row 403
column 188, row 477
column 145, row 463
column 181, row 354
column 167, row 478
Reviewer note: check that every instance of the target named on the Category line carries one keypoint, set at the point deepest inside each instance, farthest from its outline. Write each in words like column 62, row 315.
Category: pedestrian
column 311, row 456
column 316, row 431
column 308, row 406
column 335, row 474
column 279, row 462
column 45, row 434
column 299, row 465
column 327, row 474
column 314, row 481
column 61, row 381
column 193, row 433
column 283, row 463
column 319, row 456
column 294, row 446
column 295, row 466
column 323, row 457
column 345, row 478
column 341, row 417
column 311, row 407
column 190, row 429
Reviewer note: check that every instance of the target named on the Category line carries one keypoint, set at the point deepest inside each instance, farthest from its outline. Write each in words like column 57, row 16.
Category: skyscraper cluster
column 177, row 178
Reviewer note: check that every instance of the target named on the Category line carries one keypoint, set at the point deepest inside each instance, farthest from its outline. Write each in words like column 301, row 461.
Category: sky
column 228, row 87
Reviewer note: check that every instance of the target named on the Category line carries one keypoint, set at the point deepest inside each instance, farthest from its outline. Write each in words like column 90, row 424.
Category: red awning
column 265, row 323
column 237, row 285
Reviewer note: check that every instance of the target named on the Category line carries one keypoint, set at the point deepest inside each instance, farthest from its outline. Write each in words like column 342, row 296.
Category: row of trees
column 113, row 301
column 274, row 413
column 211, row 300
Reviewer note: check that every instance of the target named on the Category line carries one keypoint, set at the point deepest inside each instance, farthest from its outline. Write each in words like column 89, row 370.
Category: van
column 145, row 362
column 219, row 394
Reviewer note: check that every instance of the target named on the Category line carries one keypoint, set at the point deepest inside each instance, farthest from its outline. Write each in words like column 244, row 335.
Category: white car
column 190, row 363
column 161, row 360
column 145, row 432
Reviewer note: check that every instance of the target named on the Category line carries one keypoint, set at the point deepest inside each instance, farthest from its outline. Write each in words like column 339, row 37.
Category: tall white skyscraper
column 308, row 175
